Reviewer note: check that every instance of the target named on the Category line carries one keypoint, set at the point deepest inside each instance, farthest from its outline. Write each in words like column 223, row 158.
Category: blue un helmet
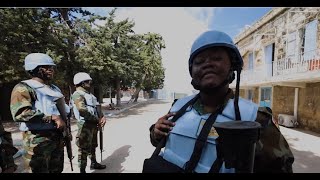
column 213, row 38
column 34, row 60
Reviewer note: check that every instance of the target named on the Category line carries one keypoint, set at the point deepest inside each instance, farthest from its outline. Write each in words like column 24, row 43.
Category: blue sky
column 179, row 27
column 233, row 20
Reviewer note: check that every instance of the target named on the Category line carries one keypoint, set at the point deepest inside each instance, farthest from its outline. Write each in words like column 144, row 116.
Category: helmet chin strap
column 228, row 80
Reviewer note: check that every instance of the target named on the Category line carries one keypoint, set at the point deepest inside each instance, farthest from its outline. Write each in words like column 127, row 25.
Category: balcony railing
column 308, row 61
column 289, row 67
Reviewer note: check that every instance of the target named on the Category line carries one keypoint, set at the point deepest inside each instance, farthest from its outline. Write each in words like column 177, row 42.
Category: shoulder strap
column 32, row 93
column 174, row 119
column 201, row 141
column 81, row 94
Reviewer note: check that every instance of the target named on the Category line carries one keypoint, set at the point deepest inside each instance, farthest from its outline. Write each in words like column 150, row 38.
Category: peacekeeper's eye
column 198, row 60
column 48, row 67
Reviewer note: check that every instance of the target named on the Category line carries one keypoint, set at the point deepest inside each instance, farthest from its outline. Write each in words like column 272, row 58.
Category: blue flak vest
column 91, row 104
column 45, row 103
column 182, row 138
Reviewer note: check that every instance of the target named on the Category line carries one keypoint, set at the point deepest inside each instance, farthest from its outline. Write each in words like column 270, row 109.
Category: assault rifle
column 100, row 115
column 67, row 137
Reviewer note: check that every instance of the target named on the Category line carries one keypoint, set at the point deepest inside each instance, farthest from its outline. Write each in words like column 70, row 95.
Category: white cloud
column 179, row 27
column 204, row 14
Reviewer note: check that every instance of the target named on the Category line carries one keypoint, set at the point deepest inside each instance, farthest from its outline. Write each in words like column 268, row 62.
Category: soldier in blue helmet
column 89, row 122
column 33, row 106
column 214, row 58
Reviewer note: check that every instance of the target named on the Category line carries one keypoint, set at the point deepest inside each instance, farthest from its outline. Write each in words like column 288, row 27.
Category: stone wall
column 283, row 100
column 309, row 107
column 308, row 104
column 256, row 95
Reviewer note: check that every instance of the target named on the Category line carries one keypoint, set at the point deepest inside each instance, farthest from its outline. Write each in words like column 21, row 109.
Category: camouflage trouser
column 7, row 150
column 44, row 151
column 86, row 140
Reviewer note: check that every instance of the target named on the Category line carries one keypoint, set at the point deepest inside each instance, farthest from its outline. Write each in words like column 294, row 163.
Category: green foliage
column 112, row 53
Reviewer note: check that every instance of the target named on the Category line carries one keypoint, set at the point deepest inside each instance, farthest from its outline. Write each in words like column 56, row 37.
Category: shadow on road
column 136, row 110
column 305, row 131
column 114, row 161
column 305, row 162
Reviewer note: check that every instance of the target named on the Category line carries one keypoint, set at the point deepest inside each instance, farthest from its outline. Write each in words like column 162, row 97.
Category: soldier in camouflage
column 213, row 60
column 33, row 105
column 85, row 111
column 7, row 150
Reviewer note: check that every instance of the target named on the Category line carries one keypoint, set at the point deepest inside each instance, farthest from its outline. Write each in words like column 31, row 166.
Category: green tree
column 22, row 31
column 151, row 74
column 109, row 52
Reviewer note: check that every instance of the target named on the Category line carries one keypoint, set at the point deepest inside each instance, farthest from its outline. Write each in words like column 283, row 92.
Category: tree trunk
column 98, row 93
column 135, row 96
column 138, row 89
column 111, row 102
column 118, row 91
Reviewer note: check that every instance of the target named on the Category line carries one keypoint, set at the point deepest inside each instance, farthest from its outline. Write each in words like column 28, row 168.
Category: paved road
column 305, row 147
column 126, row 142
column 126, row 139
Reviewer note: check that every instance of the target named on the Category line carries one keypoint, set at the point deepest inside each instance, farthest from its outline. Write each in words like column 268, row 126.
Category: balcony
column 307, row 62
column 300, row 68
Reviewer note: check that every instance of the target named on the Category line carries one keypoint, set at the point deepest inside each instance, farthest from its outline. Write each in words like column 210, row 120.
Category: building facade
column 281, row 53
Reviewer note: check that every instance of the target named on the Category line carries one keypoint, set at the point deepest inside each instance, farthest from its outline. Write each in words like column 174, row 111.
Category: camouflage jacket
column 273, row 153
column 7, row 150
column 80, row 104
column 21, row 105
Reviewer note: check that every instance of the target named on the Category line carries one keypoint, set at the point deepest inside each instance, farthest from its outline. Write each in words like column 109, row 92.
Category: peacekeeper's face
column 211, row 67
column 87, row 84
column 46, row 71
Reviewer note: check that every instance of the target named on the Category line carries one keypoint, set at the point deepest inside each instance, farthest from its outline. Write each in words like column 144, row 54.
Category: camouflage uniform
column 44, row 148
column 86, row 138
column 7, row 150
column 273, row 153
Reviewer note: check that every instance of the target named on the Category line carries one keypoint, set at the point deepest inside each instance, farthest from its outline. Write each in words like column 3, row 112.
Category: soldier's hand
column 59, row 122
column 163, row 126
column 102, row 121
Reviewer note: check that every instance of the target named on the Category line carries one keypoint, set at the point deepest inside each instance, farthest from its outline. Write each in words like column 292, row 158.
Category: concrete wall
column 309, row 107
column 283, row 100
column 256, row 95
column 308, row 104
column 242, row 93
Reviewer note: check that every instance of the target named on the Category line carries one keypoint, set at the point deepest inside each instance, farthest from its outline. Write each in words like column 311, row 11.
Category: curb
column 122, row 110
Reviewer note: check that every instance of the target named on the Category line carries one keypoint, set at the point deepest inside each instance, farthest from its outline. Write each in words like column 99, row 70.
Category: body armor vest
column 45, row 103
column 182, row 138
column 90, row 102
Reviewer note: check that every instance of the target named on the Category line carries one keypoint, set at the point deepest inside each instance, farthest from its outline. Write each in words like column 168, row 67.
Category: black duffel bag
column 156, row 164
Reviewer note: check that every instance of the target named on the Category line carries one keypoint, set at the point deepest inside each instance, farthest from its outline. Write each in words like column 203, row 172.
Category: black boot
column 83, row 170
column 95, row 165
